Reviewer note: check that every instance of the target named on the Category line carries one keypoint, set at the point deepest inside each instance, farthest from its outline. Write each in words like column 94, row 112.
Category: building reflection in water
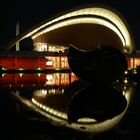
column 40, row 79
column 52, row 95
column 56, row 108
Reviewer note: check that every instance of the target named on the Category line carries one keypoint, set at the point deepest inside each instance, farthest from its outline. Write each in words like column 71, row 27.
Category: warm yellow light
column 104, row 15
column 21, row 69
column 86, row 120
column 126, row 72
column 50, row 110
column 3, row 74
column 20, row 74
column 88, row 123
column 90, row 20
column 135, row 71
column 39, row 74
column 49, row 63
column 60, row 114
column 125, row 81
column 3, row 68
column 38, row 68
column 99, row 15
column 49, row 77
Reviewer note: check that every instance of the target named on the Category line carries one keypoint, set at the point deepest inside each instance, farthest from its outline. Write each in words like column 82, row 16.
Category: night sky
column 30, row 12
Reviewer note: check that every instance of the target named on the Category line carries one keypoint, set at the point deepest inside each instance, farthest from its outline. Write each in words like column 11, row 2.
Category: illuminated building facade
column 50, row 62
column 86, row 28
column 26, row 62
column 134, row 60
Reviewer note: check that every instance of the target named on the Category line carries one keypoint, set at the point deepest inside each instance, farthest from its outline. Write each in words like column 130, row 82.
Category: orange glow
column 133, row 62
column 52, row 79
column 47, row 62
column 60, row 79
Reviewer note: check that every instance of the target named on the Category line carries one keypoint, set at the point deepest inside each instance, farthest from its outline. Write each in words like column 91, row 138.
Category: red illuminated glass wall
column 49, row 62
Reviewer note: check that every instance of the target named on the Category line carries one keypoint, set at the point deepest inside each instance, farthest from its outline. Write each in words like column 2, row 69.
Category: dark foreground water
column 34, row 110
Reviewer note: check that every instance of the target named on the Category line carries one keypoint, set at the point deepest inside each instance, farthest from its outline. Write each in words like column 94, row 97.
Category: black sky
column 29, row 13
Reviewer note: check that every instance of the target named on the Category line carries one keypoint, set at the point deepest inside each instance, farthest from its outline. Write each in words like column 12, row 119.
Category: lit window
column 49, row 77
column 49, row 63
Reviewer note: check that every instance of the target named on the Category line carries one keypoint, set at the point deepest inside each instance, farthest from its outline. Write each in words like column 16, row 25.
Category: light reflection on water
column 40, row 79
column 50, row 95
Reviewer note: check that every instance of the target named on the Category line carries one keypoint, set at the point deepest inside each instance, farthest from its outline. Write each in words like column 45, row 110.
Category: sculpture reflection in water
column 100, row 68
column 90, row 103
column 100, row 103
column 85, row 110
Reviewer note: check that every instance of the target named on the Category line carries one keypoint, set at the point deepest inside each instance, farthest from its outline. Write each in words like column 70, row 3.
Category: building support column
column 17, row 33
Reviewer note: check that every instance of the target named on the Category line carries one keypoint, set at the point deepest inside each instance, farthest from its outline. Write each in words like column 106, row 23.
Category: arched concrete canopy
column 86, row 28
column 83, row 36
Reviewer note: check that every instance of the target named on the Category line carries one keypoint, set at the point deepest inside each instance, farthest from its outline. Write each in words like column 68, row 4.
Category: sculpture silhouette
column 104, row 64
column 99, row 103
column 99, row 68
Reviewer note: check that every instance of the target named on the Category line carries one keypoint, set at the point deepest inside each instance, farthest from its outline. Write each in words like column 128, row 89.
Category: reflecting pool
column 64, row 100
